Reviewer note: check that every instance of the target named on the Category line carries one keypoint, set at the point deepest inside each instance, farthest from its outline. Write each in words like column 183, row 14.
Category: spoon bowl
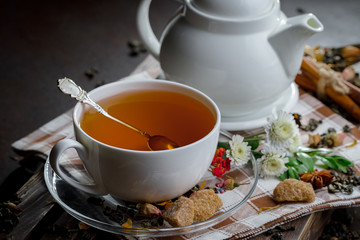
column 159, row 142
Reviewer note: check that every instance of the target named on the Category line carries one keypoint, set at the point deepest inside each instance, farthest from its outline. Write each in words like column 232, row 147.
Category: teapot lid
column 233, row 8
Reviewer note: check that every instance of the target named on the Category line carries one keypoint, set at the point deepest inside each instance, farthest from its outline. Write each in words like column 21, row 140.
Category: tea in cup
column 118, row 159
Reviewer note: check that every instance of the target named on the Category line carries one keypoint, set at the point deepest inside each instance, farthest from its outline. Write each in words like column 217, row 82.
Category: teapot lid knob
column 233, row 8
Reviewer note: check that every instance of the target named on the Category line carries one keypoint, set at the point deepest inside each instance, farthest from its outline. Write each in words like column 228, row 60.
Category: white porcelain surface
column 258, row 119
column 245, row 64
column 233, row 8
column 139, row 176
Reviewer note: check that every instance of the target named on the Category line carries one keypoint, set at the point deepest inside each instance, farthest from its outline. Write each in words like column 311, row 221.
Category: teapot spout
column 289, row 40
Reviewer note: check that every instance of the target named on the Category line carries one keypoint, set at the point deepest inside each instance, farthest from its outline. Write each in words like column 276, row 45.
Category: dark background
column 41, row 41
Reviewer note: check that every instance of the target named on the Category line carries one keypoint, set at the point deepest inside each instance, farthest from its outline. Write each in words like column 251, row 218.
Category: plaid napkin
column 246, row 222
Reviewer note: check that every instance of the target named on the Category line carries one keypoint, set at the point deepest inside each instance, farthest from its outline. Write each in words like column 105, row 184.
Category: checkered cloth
column 245, row 222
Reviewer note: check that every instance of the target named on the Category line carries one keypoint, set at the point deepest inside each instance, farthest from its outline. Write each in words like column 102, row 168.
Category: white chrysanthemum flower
column 281, row 130
column 239, row 151
column 294, row 146
column 272, row 163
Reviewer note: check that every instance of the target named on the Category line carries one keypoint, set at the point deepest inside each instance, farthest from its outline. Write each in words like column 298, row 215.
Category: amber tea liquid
column 176, row 116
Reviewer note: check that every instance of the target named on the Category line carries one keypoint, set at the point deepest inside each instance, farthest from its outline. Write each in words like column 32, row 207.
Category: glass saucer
column 75, row 202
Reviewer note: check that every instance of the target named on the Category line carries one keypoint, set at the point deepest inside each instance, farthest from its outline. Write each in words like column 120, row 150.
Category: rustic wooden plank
column 306, row 228
column 67, row 227
column 315, row 225
column 298, row 224
column 36, row 202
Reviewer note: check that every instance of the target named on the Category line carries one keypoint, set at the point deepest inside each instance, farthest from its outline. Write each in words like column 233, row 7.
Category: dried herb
column 91, row 72
column 100, row 83
column 356, row 81
column 318, row 179
column 8, row 216
column 340, row 58
column 346, row 129
column 276, row 233
column 338, row 226
column 76, row 230
column 329, row 139
column 136, row 47
column 131, row 212
column 344, row 182
column 120, row 214
column 312, row 125
column 306, row 159
column 150, row 211
column 96, row 201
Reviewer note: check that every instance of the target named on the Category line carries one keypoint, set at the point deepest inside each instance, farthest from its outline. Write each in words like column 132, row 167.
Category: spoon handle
column 69, row 87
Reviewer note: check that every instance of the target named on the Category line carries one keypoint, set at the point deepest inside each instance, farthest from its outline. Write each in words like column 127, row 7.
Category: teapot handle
column 144, row 27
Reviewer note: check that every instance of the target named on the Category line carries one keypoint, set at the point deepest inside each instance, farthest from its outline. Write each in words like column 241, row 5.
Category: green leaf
column 254, row 144
column 332, row 162
column 225, row 145
column 301, row 169
column 294, row 161
column 337, row 162
column 293, row 173
column 284, row 176
column 343, row 169
column 291, row 164
column 343, row 161
column 307, row 161
column 257, row 154
column 317, row 151
column 326, row 162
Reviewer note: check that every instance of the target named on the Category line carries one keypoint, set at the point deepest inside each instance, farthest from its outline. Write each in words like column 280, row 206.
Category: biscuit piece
column 293, row 190
column 206, row 201
column 181, row 212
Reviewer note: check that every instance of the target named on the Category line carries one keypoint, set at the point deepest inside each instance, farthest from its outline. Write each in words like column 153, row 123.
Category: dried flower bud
column 350, row 52
column 149, row 210
column 13, row 207
column 314, row 140
column 338, row 139
column 227, row 184
column 83, row 226
column 348, row 73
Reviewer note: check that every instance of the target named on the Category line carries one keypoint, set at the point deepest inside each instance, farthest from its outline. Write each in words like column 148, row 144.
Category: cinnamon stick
column 306, row 83
column 309, row 68
column 308, row 79
column 344, row 101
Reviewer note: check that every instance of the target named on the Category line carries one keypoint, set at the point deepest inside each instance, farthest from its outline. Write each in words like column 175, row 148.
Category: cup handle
column 54, row 157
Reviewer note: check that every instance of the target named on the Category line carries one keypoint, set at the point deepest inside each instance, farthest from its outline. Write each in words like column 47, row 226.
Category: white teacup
column 139, row 176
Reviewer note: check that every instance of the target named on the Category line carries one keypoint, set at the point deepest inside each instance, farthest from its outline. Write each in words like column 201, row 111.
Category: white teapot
column 244, row 54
